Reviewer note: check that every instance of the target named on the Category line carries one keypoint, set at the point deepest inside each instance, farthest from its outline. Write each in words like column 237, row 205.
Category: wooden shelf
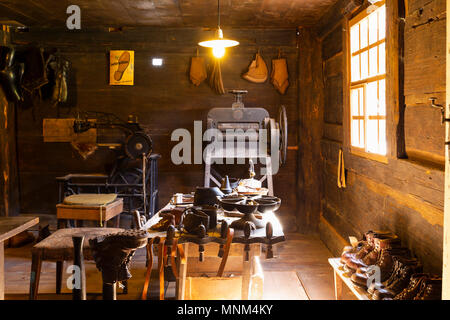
column 340, row 277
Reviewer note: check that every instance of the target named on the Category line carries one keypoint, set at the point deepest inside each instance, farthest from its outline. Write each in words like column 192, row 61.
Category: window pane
column 372, row 98
column 381, row 98
column 373, row 27
column 355, row 135
column 354, row 102
column 354, row 38
column 373, row 62
column 355, row 68
column 382, row 133
column 361, row 133
column 364, row 65
column 382, row 22
column 372, row 136
column 361, row 101
column 364, row 33
column 382, row 58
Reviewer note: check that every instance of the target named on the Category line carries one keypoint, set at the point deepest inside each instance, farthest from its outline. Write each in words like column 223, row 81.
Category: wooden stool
column 96, row 212
column 59, row 247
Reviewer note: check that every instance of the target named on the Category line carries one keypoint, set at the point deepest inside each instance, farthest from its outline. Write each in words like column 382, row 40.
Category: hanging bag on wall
column 257, row 71
column 197, row 73
column 279, row 75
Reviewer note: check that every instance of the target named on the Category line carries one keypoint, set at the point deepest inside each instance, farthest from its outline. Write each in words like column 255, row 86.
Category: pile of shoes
column 388, row 271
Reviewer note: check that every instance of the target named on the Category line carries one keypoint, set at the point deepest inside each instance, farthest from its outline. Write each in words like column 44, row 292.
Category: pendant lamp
column 218, row 44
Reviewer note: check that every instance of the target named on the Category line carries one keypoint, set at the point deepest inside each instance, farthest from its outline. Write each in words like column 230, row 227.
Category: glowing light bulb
column 218, row 52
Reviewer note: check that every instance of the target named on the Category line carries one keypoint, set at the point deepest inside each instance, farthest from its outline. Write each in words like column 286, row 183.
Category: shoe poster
column 121, row 67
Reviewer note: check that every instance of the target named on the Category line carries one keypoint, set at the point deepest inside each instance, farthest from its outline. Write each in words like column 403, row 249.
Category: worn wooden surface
column 198, row 13
column 162, row 98
column 405, row 196
column 9, row 227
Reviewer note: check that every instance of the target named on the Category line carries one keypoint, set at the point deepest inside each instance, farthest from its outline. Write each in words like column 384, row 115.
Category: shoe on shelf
column 380, row 242
column 413, row 288
column 407, row 267
column 385, row 263
column 430, row 289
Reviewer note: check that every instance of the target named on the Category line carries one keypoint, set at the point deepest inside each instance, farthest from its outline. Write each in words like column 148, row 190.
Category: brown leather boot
column 364, row 246
column 385, row 263
column 431, row 289
column 380, row 241
column 413, row 288
column 408, row 267
column 391, row 278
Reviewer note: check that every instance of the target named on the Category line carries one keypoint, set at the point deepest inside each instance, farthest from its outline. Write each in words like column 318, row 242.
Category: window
column 368, row 81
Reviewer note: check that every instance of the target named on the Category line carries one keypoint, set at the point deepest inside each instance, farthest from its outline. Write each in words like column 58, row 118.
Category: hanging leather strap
column 226, row 251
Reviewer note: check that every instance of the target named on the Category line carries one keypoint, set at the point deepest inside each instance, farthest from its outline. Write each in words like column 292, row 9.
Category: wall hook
column 441, row 107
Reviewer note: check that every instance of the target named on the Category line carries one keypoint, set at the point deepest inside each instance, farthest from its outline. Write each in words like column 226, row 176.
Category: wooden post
column 247, row 268
column 182, row 270
column 78, row 260
column 446, row 254
column 337, row 286
column 2, row 270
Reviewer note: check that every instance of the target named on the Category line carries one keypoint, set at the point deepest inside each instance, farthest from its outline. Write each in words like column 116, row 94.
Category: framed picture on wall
column 121, row 67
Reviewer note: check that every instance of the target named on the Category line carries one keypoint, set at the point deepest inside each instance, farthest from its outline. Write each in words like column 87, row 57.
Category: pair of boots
column 399, row 279
column 382, row 269
column 422, row 286
column 368, row 250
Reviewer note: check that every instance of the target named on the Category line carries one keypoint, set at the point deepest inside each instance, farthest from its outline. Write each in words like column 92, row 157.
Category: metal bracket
column 441, row 107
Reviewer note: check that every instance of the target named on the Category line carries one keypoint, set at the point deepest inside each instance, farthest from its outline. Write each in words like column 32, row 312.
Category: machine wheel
column 283, row 124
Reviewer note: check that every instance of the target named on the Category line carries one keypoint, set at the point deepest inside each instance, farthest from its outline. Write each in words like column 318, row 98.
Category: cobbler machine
column 134, row 175
column 242, row 126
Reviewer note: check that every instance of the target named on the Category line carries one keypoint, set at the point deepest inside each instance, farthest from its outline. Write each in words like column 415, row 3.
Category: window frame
column 363, row 152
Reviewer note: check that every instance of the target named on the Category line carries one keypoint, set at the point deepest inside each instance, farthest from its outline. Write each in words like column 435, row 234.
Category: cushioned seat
column 59, row 247
column 90, row 199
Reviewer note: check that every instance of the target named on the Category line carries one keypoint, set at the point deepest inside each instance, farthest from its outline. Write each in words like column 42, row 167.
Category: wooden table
column 340, row 278
column 255, row 240
column 9, row 227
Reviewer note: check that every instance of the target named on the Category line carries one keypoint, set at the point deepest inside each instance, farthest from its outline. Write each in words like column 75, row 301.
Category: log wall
column 162, row 98
column 405, row 196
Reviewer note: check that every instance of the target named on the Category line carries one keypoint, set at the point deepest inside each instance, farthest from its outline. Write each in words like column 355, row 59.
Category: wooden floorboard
column 300, row 268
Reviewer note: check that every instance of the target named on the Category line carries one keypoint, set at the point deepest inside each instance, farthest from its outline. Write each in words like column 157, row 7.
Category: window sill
column 371, row 156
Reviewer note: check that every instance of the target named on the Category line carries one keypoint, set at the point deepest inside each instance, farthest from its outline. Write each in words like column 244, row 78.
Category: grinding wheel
column 138, row 144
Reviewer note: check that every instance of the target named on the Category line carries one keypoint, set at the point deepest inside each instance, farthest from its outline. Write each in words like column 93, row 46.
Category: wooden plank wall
column 162, row 98
column 9, row 191
column 310, row 130
column 405, row 196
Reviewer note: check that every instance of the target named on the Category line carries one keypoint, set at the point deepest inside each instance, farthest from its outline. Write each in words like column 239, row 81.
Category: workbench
column 256, row 239
column 9, row 227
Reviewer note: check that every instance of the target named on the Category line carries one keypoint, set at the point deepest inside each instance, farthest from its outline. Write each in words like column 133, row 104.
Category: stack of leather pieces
column 400, row 275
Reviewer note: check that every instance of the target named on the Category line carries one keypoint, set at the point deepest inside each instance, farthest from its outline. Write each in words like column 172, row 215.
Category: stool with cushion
column 59, row 247
column 90, row 206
